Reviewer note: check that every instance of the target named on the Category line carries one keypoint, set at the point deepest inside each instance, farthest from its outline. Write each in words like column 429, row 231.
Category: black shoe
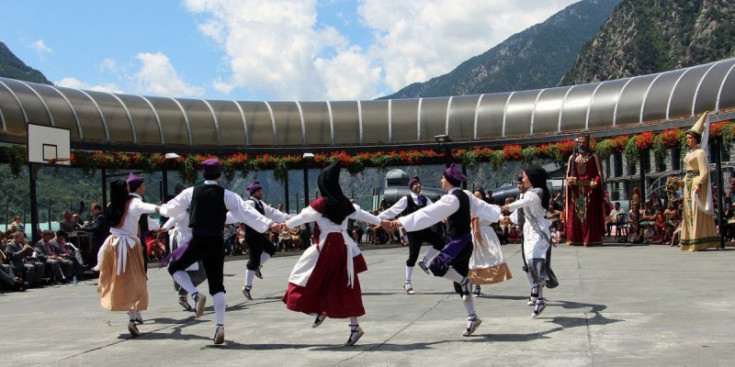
column 133, row 329
column 476, row 292
column 424, row 267
column 246, row 292
column 355, row 334
column 319, row 320
column 540, row 306
column 258, row 273
column 184, row 302
column 472, row 325
column 219, row 334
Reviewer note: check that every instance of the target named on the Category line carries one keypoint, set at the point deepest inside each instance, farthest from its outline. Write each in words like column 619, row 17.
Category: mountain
column 12, row 67
column 650, row 36
column 535, row 58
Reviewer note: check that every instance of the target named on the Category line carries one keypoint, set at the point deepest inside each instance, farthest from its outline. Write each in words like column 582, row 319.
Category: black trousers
column 209, row 249
column 418, row 238
column 257, row 244
column 461, row 264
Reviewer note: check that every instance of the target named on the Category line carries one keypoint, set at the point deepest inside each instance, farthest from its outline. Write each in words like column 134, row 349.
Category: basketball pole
column 33, row 176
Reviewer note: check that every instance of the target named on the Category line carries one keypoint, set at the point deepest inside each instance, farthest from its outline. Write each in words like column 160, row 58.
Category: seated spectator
column 648, row 215
column 730, row 223
column 25, row 266
column 635, row 234
column 555, row 236
column 634, row 215
column 357, row 232
column 241, row 247
column 650, row 236
column 8, row 280
column 506, row 227
column 659, row 221
column 614, row 218
column 56, row 266
column 155, row 247
column 67, row 251
column 68, row 224
column 16, row 225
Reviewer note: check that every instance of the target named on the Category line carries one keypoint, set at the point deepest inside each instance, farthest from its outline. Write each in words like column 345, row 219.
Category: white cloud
column 278, row 49
column 109, row 64
column 41, row 47
column 157, row 76
column 69, row 82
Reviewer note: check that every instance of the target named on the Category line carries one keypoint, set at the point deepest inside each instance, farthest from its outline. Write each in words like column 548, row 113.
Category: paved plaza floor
column 616, row 306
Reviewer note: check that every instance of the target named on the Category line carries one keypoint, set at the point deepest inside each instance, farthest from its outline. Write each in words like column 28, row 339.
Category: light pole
column 306, row 159
column 164, row 175
column 444, row 142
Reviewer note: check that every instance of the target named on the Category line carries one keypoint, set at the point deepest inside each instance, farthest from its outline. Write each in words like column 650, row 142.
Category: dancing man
column 452, row 262
column 407, row 205
column 208, row 205
column 260, row 249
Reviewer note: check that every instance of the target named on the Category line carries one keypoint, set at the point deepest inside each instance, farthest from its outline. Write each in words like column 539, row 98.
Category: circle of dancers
column 324, row 282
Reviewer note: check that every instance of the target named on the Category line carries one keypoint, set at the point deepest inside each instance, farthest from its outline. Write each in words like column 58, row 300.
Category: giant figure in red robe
column 584, row 205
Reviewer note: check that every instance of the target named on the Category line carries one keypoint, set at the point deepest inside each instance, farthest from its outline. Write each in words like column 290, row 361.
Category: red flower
column 644, row 140
column 512, row 152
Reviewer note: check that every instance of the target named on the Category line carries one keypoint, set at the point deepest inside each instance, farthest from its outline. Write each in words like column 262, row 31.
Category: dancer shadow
column 513, row 337
column 569, row 322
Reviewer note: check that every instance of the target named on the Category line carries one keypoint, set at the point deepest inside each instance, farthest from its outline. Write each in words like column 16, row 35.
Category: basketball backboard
column 49, row 145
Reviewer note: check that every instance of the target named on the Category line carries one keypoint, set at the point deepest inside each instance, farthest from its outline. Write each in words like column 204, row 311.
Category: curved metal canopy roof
column 129, row 122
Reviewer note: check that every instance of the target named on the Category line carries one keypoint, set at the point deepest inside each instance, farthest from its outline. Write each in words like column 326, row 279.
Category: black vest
column 250, row 232
column 458, row 224
column 411, row 206
column 207, row 209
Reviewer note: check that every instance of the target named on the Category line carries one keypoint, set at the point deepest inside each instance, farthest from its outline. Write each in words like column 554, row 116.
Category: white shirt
column 233, row 202
column 269, row 211
column 446, row 206
column 400, row 206
column 534, row 244
column 136, row 208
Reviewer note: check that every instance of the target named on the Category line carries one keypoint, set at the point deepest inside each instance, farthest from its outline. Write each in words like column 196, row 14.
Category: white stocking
column 430, row 254
column 183, row 279
column 409, row 272
column 264, row 257
column 219, row 307
column 249, row 278
column 454, row 276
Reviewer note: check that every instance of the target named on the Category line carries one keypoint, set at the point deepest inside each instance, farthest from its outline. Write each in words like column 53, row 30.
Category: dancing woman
column 536, row 235
column 122, row 282
column 324, row 281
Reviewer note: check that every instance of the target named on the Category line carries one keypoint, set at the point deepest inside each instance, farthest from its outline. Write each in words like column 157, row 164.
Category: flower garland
column 190, row 165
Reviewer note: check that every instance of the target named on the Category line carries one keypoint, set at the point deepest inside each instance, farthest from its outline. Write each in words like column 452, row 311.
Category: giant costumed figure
column 584, row 204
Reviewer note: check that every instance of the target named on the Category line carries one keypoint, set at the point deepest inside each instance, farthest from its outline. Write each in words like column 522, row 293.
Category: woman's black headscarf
column 119, row 197
column 338, row 206
column 537, row 176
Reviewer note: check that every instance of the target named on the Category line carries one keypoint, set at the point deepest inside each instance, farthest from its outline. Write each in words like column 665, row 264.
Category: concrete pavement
column 616, row 306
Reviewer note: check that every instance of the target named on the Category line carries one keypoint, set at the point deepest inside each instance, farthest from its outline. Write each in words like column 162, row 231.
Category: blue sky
column 258, row 49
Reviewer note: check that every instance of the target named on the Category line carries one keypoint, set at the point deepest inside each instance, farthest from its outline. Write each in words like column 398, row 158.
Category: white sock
column 264, row 257
column 219, row 301
column 469, row 306
column 430, row 254
column 249, row 278
column 529, row 278
column 454, row 276
column 131, row 315
column 353, row 321
column 409, row 272
column 184, row 280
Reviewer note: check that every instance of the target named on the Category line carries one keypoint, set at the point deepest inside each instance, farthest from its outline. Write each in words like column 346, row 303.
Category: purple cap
column 134, row 182
column 454, row 174
column 253, row 187
column 412, row 181
column 211, row 168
